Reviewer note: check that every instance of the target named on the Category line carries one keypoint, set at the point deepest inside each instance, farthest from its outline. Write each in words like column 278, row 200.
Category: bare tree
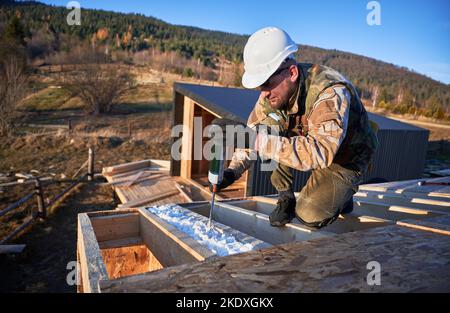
column 12, row 88
column 99, row 84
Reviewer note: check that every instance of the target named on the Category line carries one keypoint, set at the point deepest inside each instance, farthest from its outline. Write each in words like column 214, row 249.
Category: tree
column 14, row 31
column 98, row 83
column 12, row 84
column 12, row 72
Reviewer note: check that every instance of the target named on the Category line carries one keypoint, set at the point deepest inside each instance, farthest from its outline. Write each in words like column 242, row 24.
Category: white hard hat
column 263, row 54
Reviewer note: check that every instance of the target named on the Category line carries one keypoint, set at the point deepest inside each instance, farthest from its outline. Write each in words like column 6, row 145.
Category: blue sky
column 413, row 33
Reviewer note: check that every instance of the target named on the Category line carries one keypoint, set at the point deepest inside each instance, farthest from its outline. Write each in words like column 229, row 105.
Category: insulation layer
column 220, row 239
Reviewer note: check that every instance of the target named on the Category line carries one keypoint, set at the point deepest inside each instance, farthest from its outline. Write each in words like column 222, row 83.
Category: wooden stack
column 144, row 183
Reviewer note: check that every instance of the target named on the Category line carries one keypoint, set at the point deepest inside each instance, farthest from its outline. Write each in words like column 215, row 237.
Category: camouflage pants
column 324, row 195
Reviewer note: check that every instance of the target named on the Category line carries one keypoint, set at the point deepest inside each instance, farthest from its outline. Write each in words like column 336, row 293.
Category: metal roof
column 235, row 103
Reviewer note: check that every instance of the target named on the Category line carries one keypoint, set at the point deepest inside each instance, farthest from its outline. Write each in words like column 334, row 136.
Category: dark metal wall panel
column 400, row 156
column 261, row 184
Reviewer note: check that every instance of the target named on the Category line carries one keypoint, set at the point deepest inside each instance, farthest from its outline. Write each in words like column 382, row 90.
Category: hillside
column 213, row 55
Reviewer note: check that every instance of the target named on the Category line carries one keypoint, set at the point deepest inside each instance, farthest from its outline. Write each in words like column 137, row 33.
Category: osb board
column 126, row 261
column 411, row 261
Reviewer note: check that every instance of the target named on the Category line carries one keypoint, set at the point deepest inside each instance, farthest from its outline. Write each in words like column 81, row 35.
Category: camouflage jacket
column 324, row 122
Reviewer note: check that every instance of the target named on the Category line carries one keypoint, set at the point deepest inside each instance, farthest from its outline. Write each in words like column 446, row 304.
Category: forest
column 212, row 55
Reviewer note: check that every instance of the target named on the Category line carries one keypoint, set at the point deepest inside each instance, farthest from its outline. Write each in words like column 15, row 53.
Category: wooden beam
column 426, row 226
column 180, row 189
column 128, row 184
column 125, row 242
column 203, row 189
column 391, row 212
column 133, row 179
column 92, row 268
column 421, row 202
column 169, row 245
column 122, row 168
column 187, row 139
column 140, row 202
column 115, row 227
column 162, row 165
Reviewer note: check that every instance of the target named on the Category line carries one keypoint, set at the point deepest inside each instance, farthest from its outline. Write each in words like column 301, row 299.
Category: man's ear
column 293, row 72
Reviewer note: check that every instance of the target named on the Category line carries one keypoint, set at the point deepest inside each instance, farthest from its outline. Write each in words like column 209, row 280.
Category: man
column 321, row 124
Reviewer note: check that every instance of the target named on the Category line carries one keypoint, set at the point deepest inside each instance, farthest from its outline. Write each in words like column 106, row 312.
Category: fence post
column 91, row 165
column 69, row 126
column 40, row 199
column 129, row 129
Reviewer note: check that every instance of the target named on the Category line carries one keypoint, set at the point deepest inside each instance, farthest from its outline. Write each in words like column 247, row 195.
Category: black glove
column 227, row 179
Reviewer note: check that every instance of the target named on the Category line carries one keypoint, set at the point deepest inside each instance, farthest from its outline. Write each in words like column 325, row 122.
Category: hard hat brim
column 253, row 81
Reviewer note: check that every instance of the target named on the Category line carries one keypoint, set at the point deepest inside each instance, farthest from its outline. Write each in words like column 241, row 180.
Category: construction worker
column 322, row 127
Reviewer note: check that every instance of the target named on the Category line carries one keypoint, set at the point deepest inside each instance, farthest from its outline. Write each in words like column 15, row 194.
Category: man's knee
column 281, row 180
column 313, row 216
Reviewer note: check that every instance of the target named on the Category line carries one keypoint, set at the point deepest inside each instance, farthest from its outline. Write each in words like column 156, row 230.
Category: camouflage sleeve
column 243, row 158
column 327, row 126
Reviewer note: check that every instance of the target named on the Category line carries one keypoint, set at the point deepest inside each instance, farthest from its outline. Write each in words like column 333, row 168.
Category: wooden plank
column 161, row 164
column 126, row 175
column 92, row 268
column 404, row 200
column 391, row 212
column 122, row 168
column 187, row 139
column 132, row 180
column 121, row 195
column 115, row 227
column 129, row 184
column 445, row 172
column 203, row 189
column 141, row 202
column 181, row 190
column 437, row 228
column 411, row 261
column 389, row 186
column 124, row 242
column 169, row 245
column 11, row 249
column 411, row 188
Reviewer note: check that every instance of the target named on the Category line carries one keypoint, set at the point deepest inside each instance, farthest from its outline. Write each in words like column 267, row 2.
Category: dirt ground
column 51, row 245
